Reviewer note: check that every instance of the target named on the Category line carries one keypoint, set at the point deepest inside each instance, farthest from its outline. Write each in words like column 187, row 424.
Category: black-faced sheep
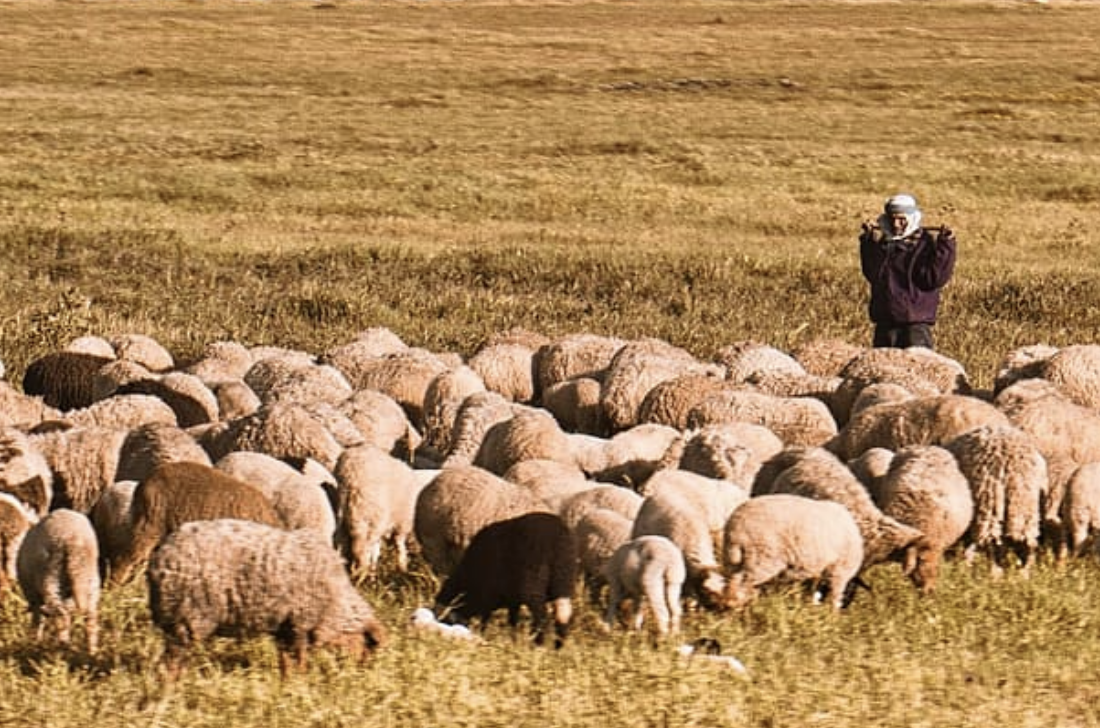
column 241, row 578
column 528, row 561
column 178, row 493
column 58, row 569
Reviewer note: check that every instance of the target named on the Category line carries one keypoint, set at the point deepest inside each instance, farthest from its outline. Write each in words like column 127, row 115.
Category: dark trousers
column 901, row 336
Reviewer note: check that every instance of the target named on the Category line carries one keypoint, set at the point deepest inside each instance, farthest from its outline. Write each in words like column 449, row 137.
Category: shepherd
column 907, row 266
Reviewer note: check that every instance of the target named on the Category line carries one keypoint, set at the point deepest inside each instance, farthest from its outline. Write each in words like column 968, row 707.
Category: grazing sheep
column 713, row 499
column 110, row 517
column 1009, row 482
column 376, row 503
column 123, row 410
column 83, row 460
column 870, row 467
column 623, row 501
column 442, row 401
column 529, row 434
column 178, row 493
column 477, row 413
column 64, row 379
column 650, row 571
column 629, row 457
column 685, row 523
column 508, row 369
column 235, row 399
column 826, row 357
column 149, row 445
column 380, row 421
column 189, row 398
column 795, row 420
column 575, row 404
column 551, row 481
column 144, row 350
column 1081, row 509
column 744, row 360
column 221, row 361
column 1026, row 362
column 404, row 375
column 817, row 473
column 282, row 430
column 302, row 493
column 792, row 538
column 58, row 569
column 369, row 343
column 241, row 578
column 925, row 489
column 670, row 401
column 724, row 451
column 22, row 410
column 636, row 368
column 25, row 472
column 114, row 375
column 1075, row 370
column 575, row 355
column 597, row 534
column 933, row 420
column 15, row 521
column 527, row 561
column 921, row 371
column 459, row 502
column 296, row 379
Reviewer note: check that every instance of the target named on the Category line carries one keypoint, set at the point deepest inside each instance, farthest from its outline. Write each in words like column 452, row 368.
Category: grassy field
column 292, row 172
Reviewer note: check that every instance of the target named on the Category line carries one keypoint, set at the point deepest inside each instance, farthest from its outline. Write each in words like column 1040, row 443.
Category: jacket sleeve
column 872, row 255
column 937, row 262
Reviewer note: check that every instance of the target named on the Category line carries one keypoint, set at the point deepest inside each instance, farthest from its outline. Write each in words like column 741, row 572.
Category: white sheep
column 552, row 481
column 732, row 451
column 623, row 501
column 1075, row 370
column 1009, row 482
column 477, row 413
column 22, row 410
column 376, row 503
column 507, row 368
column 294, row 378
column 795, row 420
column 529, row 434
column 714, row 499
column 300, row 496
column 933, row 420
column 575, row 404
column 650, row 571
column 789, row 537
column 143, row 349
column 442, row 400
column 921, row 371
column 925, row 489
column 83, row 460
column 458, row 503
column 825, row 357
column 597, row 534
column 123, row 410
column 575, row 355
column 403, row 375
column 744, row 360
column 817, row 473
column 282, row 430
column 628, row 457
column 382, row 422
column 669, row 402
column 1081, row 510
column 58, row 570
column 25, row 472
column 147, row 446
column 221, row 361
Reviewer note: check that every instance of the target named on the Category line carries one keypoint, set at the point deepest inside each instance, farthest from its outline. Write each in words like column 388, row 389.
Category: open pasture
column 292, row 173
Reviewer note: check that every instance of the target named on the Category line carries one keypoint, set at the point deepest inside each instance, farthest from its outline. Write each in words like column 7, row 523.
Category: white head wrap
column 905, row 205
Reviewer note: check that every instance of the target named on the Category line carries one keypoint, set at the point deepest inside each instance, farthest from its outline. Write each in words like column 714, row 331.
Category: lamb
column 817, row 473
column 301, row 492
column 63, row 379
column 1009, row 482
column 243, row 578
column 15, row 521
column 376, row 502
column 791, row 537
column 178, row 493
column 58, row 569
column 527, row 561
column 650, row 571
column 459, row 502
column 925, row 489
column 931, row 420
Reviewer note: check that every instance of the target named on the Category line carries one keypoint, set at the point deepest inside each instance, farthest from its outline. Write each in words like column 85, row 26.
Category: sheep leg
column 615, row 595
column 655, row 598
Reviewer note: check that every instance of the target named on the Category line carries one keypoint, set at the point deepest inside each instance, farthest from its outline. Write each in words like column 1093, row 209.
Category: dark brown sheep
column 63, row 379
column 180, row 492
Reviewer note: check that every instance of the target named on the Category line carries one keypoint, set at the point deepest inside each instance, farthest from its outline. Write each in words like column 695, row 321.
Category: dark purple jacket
column 906, row 277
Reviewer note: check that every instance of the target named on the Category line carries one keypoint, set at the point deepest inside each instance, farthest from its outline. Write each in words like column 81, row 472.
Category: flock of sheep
column 252, row 485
